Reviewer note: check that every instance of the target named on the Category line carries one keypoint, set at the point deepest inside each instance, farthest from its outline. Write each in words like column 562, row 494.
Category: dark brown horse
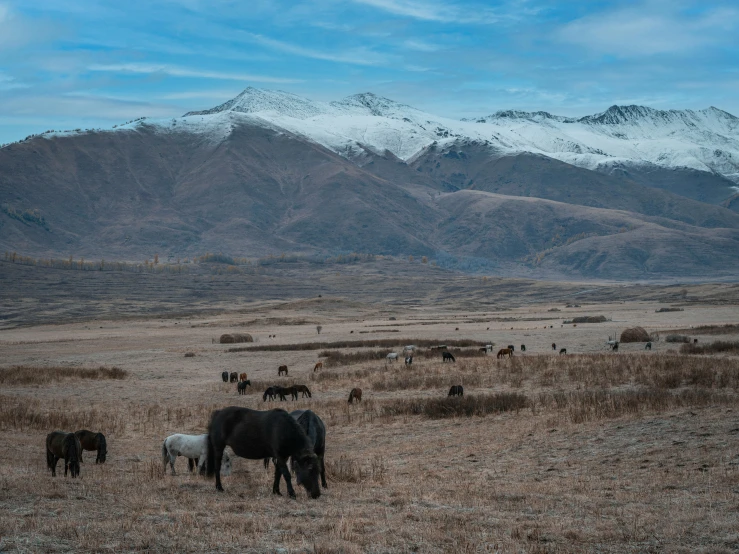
column 316, row 431
column 303, row 389
column 94, row 442
column 63, row 445
column 234, row 377
column 224, row 376
column 554, row 346
column 456, row 390
column 355, row 394
column 503, row 352
column 319, row 365
column 257, row 435
column 447, row 356
column 282, row 369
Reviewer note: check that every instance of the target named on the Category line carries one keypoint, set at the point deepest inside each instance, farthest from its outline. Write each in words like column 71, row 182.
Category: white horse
column 193, row 447
column 392, row 357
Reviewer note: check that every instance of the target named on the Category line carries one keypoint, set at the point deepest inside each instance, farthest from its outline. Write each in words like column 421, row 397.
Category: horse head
column 307, row 470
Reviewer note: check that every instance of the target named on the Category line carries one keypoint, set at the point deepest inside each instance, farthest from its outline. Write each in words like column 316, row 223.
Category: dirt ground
column 552, row 477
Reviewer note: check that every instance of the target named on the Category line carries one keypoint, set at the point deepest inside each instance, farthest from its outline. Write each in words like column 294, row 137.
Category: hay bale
column 231, row 338
column 635, row 334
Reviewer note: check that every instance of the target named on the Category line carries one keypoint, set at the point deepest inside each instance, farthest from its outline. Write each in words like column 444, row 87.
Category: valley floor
column 635, row 451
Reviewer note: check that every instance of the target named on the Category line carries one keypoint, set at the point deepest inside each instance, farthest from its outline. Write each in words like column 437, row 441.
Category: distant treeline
column 102, row 265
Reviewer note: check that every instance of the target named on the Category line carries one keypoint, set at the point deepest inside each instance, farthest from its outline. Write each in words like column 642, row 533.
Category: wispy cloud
column 447, row 12
column 357, row 56
column 176, row 71
column 651, row 28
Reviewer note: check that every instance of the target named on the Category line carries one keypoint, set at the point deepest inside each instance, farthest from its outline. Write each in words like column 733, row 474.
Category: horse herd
column 298, row 437
column 69, row 446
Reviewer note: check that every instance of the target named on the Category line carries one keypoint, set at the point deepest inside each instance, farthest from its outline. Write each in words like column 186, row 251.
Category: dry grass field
column 595, row 451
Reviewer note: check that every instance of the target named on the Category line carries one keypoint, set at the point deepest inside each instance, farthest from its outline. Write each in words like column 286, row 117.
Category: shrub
column 677, row 338
column 32, row 375
column 471, row 405
column 710, row 348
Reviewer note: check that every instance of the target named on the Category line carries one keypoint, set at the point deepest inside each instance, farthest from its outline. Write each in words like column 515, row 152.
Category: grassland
column 612, row 452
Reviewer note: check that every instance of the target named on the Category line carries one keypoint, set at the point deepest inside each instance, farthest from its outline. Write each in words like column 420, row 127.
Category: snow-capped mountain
column 704, row 140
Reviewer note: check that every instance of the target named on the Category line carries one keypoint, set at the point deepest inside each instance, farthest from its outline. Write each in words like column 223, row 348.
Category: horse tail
column 351, row 395
column 210, row 463
column 165, row 453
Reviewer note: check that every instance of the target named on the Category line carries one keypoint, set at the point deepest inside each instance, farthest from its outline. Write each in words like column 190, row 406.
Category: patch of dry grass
column 711, row 348
column 41, row 375
column 376, row 343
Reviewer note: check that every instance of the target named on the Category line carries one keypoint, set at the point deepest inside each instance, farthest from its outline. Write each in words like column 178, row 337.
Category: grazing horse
column 511, row 347
column 242, row 376
column 303, row 389
column 271, row 392
column 241, row 387
column 447, row 356
column 224, row 376
column 63, row 445
column 648, row 346
column 563, row 351
column 234, row 377
column 554, row 346
column 408, row 360
column 523, row 348
column 615, row 346
column 94, row 442
column 319, row 365
column 355, row 394
column 282, row 369
column 258, row 435
column 456, row 390
column 193, row 447
column 392, row 357
column 316, row 432
column 503, row 352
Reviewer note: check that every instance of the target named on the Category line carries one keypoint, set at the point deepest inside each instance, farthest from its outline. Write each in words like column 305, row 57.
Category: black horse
column 224, row 376
column 408, row 360
column 269, row 392
column 615, row 346
column 447, row 356
column 94, row 442
column 316, row 431
column 241, row 387
column 523, row 348
column 513, row 348
column 256, row 435
column 563, row 351
column 648, row 346
column 63, row 445
column 456, row 390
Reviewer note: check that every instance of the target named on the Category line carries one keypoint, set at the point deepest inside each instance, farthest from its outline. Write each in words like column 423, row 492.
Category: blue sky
column 94, row 63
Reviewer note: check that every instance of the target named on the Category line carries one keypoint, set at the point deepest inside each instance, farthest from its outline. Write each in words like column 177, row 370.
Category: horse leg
column 276, row 483
column 191, row 464
column 281, row 468
column 217, row 461
column 66, row 466
column 323, row 472
column 172, row 458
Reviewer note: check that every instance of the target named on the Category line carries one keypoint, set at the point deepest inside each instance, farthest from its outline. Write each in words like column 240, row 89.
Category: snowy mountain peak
column 374, row 105
column 254, row 100
column 704, row 140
